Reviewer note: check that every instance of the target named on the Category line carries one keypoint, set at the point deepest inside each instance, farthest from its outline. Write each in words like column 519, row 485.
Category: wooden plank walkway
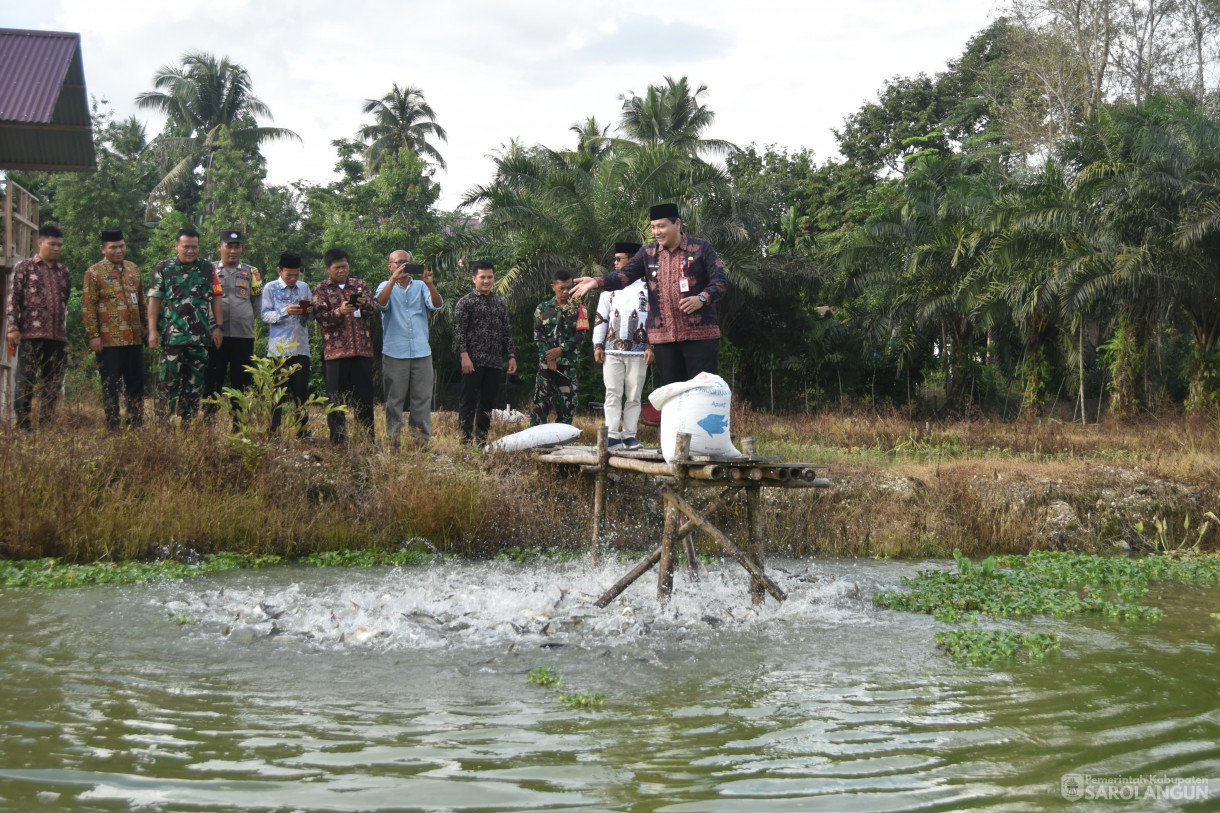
column 678, row 482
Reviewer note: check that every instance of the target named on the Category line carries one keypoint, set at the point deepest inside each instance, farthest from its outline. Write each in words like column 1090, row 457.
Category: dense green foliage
column 1033, row 226
column 977, row 646
column 1054, row 584
column 1039, row 584
column 52, row 573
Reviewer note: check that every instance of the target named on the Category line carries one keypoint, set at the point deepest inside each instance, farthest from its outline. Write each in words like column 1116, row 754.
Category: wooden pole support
column 599, row 489
column 754, row 547
column 753, row 518
column 711, row 530
column 713, row 505
column 683, row 471
column 665, row 572
column 622, row 584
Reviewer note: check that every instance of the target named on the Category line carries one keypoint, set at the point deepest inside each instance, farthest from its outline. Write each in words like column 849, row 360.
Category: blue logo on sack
column 714, row 424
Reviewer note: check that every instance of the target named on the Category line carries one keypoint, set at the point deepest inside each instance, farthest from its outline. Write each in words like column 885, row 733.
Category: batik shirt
column 564, row 328
column 113, row 306
column 663, row 269
column 242, row 285
column 619, row 326
column 481, row 329
column 38, row 300
column 185, row 291
column 289, row 335
column 344, row 336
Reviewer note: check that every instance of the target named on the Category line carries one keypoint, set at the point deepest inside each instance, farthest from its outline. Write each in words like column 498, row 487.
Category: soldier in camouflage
column 560, row 325
column 185, row 314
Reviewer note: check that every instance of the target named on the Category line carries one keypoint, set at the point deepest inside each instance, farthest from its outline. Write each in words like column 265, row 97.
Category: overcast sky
column 777, row 72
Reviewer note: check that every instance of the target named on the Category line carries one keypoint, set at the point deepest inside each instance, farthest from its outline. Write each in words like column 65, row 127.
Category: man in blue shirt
column 406, row 357
column 286, row 306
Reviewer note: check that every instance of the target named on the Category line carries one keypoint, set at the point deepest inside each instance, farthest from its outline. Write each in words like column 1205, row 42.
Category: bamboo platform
column 679, row 482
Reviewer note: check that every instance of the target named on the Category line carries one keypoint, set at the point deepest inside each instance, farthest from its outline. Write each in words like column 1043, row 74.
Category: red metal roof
column 44, row 110
column 34, row 65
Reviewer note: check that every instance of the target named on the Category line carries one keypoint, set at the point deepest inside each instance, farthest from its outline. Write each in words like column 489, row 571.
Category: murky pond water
column 351, row 690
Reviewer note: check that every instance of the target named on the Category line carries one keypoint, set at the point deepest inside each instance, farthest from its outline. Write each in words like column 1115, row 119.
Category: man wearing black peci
column 685, row 280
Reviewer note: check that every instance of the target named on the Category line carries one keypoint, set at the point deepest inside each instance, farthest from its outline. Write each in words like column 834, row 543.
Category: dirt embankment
column 913, row 510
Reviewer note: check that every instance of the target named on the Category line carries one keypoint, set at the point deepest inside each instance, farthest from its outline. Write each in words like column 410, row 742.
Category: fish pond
column 499, row 686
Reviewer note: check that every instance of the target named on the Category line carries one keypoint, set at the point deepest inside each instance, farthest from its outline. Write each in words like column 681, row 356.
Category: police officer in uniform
column 243, row 286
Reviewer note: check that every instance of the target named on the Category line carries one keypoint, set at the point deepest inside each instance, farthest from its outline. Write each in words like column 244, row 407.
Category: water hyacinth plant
column 977, row 646
column 1048, row 584
column 553, row 679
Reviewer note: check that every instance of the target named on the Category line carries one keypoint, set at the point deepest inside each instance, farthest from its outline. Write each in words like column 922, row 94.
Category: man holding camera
column 286, row 308
column 406, row 356
column 343, row 306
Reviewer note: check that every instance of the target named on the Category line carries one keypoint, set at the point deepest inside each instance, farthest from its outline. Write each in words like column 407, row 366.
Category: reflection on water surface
column 351, row 690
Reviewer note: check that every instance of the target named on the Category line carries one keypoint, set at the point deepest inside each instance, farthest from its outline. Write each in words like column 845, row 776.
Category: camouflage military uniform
column 185, row 324
column 564, row 328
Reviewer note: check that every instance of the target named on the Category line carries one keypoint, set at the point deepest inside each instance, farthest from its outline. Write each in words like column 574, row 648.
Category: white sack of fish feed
column 699, row 407
column 547, row 434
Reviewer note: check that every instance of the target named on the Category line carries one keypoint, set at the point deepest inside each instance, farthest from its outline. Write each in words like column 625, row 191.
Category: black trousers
column 478, row 396
column 682, row 361
column 229, row 360
column 122, row 367
column 298, row 391
column 40, row 371
column 349, row 382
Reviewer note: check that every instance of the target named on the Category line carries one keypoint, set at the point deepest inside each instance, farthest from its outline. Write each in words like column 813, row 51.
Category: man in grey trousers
column 406, row 357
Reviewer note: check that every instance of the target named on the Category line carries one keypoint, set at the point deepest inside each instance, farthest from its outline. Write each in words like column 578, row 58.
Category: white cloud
column 777, row 72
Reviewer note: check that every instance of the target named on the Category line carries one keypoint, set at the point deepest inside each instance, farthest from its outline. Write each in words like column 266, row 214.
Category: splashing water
column 479, row 604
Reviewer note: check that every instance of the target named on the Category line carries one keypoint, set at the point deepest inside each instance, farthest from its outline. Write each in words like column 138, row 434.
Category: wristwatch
column 703, row 298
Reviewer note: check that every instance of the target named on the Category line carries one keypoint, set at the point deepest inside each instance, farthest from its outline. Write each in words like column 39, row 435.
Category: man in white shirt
column 620, row 344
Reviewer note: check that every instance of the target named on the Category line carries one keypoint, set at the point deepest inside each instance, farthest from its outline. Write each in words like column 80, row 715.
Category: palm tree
column 670, row 114
column 1152, row 181
column 200, row 98
column 1038, row 234
column 566, row 208
column 926, row 261
column 404, row 120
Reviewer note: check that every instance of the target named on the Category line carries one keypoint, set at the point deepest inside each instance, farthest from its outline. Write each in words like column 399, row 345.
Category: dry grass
column 901, row 488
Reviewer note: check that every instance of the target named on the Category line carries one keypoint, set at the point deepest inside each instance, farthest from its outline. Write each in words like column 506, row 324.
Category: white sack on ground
column 547, row 434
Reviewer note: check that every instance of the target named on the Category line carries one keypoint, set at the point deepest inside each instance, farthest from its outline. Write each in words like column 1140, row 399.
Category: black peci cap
column 112, row 236
column 290, row 260
column 627, row 248
column 661, row 210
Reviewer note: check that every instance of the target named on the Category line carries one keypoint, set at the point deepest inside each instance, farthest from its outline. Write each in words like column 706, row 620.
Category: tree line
column 1034, row 226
